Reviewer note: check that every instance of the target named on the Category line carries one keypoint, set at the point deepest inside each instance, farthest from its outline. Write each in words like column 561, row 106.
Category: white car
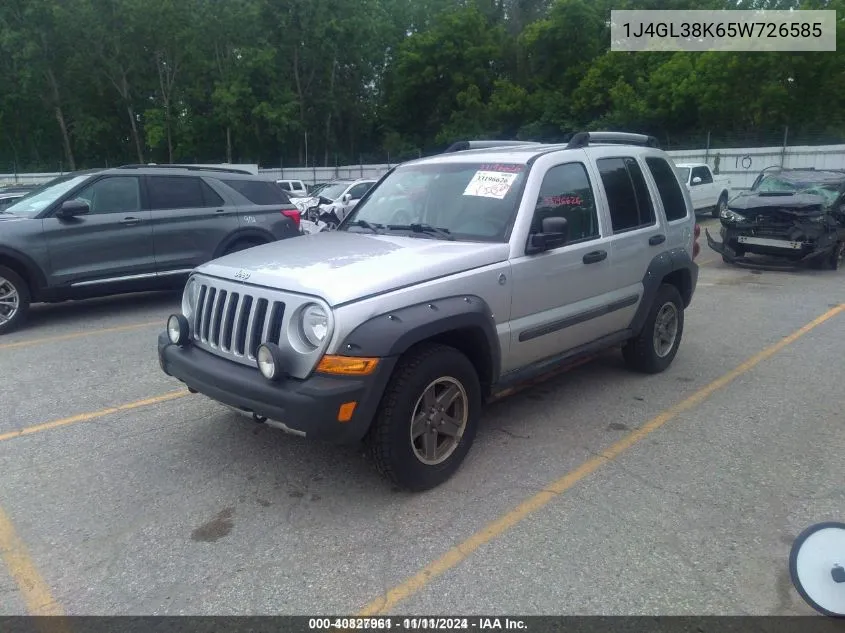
column 332, row 203
column 709, row 194
column 296, row 188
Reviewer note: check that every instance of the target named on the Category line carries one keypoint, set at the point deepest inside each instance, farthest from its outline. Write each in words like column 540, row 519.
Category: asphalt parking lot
column 597, row 492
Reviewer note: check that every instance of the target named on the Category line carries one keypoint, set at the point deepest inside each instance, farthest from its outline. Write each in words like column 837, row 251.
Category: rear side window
column 668, row 188
column 181, row 192
column 627, row 194
column 260, row 191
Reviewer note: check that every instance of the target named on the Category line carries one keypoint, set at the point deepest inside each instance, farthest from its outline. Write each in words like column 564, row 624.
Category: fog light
column 178, row 330
column 269, row 359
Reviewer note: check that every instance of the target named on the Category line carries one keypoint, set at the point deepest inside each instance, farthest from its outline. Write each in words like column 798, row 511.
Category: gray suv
column 131, row 228
column 455, row 279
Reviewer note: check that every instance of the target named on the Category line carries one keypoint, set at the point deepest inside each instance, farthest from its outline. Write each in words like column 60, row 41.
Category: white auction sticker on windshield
column 490, row 184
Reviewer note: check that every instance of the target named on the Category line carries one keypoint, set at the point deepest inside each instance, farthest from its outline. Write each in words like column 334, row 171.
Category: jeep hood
column 339, row 266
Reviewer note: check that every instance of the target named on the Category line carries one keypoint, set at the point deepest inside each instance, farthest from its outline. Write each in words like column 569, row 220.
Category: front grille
column 236, row 321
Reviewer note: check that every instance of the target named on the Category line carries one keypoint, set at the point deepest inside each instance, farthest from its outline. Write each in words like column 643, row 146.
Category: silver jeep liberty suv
column 456, row 278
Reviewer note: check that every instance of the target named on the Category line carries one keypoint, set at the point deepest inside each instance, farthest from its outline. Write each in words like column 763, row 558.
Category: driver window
column 119, row 194
column 566, row 193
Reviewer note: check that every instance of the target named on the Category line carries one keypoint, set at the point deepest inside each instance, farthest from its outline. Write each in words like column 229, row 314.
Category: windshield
column 683, row 174
column 44, row 196
column 773, row 184
column 333, row 191
column 472, row 201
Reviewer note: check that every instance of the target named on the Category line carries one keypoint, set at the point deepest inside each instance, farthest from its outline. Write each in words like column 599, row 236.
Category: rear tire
column 242, row 245
column 15, row 298
column 655, row 347
column 427, row 419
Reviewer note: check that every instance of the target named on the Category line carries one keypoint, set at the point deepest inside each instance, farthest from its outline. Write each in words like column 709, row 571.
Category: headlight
column 190, row 296
column 314, row 324
column 732, row 216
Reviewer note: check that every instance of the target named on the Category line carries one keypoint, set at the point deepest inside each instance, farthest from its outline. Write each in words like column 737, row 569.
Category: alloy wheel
column 439, row 420
column 665, row 329
column 9, row 300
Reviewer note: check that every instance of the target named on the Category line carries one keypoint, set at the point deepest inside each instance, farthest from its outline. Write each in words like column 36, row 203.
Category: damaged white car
column 326, row 210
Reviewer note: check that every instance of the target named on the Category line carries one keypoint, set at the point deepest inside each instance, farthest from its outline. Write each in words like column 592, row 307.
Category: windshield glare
column 41, row 198
column 473, row 201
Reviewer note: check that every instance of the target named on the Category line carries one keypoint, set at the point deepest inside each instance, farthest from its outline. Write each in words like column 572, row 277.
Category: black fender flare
column 392, row 333
column 34, row 274
column 243, row 234
column 664, row 264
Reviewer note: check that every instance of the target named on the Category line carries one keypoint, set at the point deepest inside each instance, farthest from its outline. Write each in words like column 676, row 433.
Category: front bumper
column 733, row 249
column 307, row 406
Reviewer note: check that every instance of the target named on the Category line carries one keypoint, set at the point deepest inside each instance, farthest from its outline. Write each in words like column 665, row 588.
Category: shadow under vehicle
column 793, row 217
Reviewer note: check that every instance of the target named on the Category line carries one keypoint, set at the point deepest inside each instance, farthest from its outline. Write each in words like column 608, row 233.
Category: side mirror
column 72, row 208
column 696, row 180
column 346, row 198
column 555, row 234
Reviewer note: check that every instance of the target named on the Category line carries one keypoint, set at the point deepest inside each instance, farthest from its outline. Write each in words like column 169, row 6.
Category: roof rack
column 584, row 139
column 461, row 146
column 229, row 170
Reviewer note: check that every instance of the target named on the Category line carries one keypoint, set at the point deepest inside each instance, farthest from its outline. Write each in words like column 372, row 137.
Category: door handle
column 220, row 210
column 130, row 221
column 654, row 240
column 594, row 257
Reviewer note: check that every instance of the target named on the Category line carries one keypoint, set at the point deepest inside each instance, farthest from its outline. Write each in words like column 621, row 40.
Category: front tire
column 15, row 298
column 655, row 347
column 722, row 205
column 427, row 419
column 837, row 257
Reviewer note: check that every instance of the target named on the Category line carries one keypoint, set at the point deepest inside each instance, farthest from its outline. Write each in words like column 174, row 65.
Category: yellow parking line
column 75, row 335
column 35, row 592
column 87, row 417
column 497, row 528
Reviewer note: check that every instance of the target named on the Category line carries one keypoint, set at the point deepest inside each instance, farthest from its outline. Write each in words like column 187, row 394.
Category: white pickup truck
column 708, row 194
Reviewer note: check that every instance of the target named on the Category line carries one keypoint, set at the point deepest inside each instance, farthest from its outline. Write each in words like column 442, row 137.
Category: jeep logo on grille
column 242, row 274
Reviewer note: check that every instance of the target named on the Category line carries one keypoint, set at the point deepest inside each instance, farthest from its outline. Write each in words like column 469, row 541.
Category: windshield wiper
column 366, row 225
column 423, row 228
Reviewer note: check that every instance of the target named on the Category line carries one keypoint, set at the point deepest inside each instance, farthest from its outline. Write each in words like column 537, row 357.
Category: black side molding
column 575, row 319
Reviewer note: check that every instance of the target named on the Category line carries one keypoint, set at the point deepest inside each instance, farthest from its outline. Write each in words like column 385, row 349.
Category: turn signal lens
column 347, row 365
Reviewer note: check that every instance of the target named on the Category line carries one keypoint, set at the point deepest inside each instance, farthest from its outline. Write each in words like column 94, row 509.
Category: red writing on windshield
column 561, row 201
column 508, row 169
